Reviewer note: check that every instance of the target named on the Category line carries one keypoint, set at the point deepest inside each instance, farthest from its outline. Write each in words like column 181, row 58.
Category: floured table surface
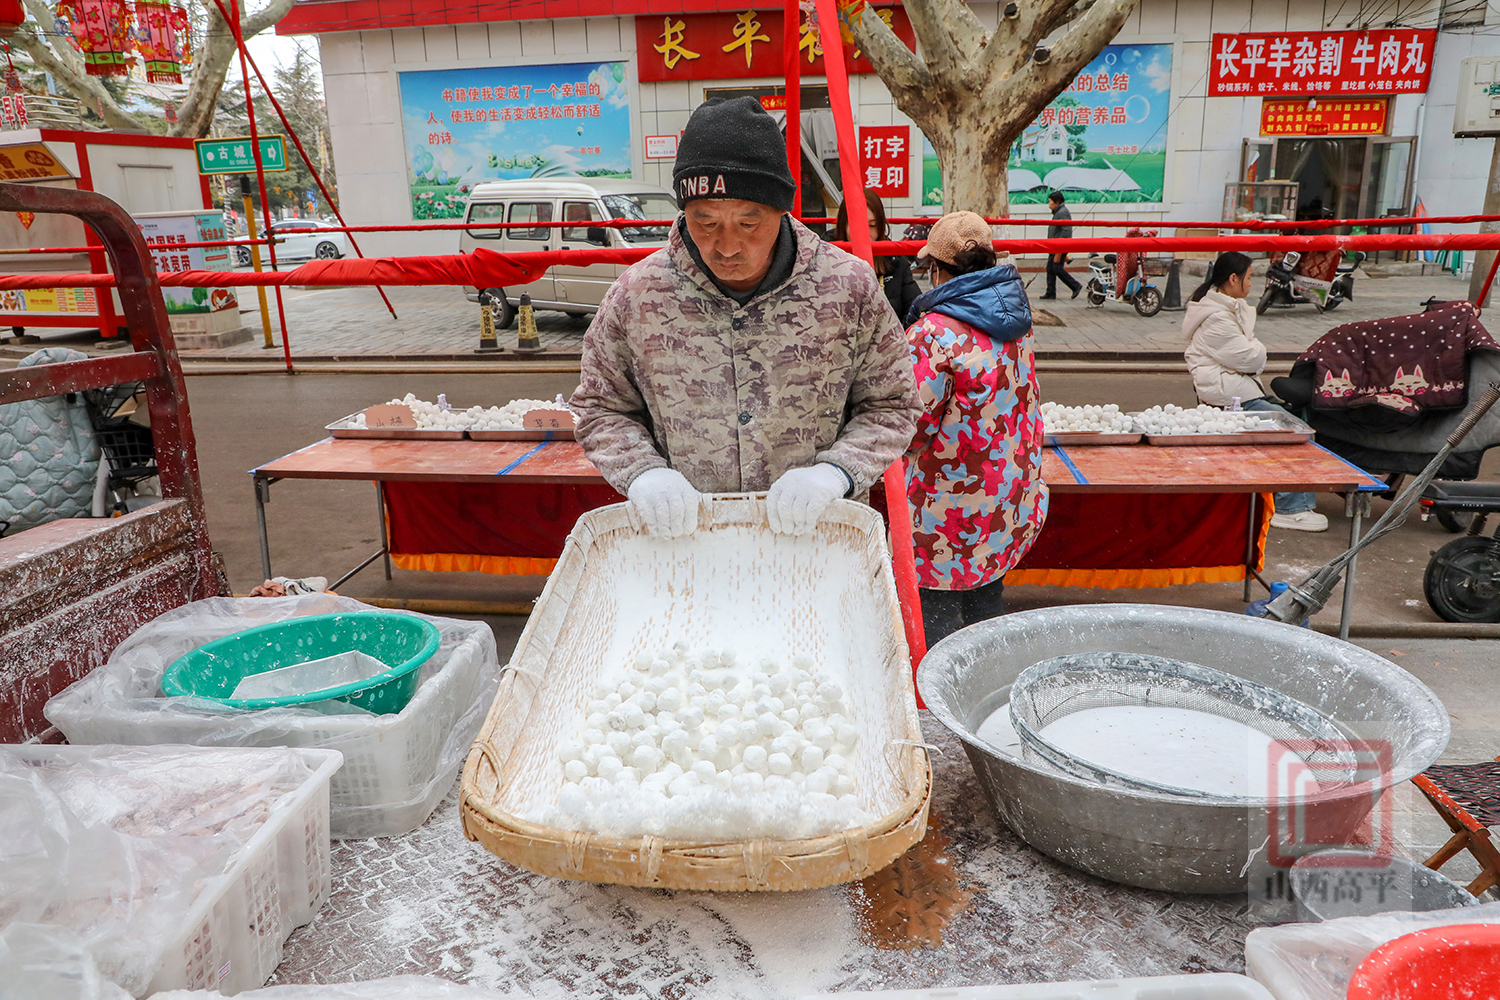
column 432, row 902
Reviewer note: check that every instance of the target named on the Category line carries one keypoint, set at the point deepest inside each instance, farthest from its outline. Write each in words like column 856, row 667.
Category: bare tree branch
column 1039, row 83
column 895, row 64
column 937, row 44
column 211, row 65
column 70, row 72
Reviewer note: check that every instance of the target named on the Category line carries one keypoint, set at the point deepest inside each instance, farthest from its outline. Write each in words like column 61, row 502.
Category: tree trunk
column 211, row 66
column 976, row 174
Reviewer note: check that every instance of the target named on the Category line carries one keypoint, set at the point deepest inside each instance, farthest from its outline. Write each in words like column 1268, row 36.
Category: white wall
column 364, row 107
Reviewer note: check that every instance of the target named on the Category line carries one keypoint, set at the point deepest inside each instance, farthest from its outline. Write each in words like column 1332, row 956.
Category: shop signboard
column 28, row 162
column 885, row 159
column 466, row 126
column 1378, row 61
column 164, row 232
column 57, row 301
column 1331, row 116
column 737, row 46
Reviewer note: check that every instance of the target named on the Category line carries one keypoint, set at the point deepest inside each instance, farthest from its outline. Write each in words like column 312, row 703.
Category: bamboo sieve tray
column 617, row 592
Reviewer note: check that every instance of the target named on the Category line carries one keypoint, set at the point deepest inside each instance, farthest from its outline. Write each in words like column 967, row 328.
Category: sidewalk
column 438, row 323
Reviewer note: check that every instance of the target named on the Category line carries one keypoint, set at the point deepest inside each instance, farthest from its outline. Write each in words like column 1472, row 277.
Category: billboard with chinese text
column 885, row 159
column 1103, row 140
column 466, row 126
column 1321, row 62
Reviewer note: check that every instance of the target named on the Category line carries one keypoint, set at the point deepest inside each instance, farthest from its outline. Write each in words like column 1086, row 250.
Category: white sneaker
column 1308, row 520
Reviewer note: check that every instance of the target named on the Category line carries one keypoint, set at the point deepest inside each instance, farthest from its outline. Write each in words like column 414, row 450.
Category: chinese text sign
column 467, row 126
column 885, row 159
column 1332, row 116
column 727, row 46
column 1394, row 61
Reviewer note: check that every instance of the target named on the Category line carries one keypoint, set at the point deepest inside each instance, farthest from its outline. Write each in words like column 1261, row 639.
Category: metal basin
column 1199, row 845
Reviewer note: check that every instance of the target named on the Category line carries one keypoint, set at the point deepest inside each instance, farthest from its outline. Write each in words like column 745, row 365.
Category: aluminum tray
column 527, row 435
column 1289, row 430
column 1090, row 437
column 344, row 428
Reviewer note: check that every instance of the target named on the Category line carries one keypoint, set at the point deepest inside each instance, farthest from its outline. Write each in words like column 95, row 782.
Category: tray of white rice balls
column 413, row 419
column 1176, row 426
column 1088, row 424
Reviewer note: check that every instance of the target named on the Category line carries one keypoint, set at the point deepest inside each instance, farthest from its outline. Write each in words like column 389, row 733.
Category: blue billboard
column 466, row 126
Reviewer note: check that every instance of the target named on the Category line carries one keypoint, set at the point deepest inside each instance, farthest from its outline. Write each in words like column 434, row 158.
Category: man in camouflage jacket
column 728, row 362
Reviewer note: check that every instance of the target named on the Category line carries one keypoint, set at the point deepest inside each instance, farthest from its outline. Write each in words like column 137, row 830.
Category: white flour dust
column 1169, row 746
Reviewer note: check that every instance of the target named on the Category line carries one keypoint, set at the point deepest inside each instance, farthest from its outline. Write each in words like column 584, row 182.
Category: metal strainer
column 1051, row 689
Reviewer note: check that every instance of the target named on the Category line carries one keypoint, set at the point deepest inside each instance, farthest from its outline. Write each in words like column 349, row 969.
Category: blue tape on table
column 1062, row 453
column 539, row 446
column 1375, row 487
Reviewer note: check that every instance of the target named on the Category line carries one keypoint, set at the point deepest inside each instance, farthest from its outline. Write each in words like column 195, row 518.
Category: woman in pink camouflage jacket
column 973, row 471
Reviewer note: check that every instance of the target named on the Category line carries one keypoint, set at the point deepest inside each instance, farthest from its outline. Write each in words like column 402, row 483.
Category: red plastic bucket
column 1456, row 962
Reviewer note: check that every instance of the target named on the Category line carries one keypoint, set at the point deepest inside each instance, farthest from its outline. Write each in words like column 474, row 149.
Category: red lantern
column 101, row 30
column 11, row 16
column 156, row 39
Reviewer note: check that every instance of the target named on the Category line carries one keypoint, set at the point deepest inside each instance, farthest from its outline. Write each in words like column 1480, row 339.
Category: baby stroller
column 1385, row 395
column 126, row 446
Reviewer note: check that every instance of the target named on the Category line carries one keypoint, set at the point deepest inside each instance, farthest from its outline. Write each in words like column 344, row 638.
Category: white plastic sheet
column 397, row 768
column 109, row 846
column 394, row 988
column 39, row 962
column 1316, row 961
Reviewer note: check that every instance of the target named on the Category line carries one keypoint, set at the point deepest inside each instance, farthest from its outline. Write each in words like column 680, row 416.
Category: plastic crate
column 1207, row 986
column 230, row 938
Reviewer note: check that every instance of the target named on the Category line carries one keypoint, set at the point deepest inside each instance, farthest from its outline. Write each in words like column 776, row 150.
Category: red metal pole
column 1489, row 279
column 292, row 134
column 898, row 509
column 260, row 174
column 791, row 34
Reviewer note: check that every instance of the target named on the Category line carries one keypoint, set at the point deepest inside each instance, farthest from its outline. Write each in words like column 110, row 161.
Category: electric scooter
column 1100, row 286
column 1462, row 582
column 1293, row 279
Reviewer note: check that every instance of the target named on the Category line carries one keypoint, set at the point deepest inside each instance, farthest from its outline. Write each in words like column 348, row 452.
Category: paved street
column 439, row 323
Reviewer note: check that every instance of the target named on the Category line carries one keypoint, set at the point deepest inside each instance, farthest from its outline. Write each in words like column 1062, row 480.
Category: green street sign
column 234, row 156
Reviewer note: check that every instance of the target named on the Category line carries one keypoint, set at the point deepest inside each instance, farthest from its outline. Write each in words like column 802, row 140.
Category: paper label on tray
column 547, row 420
column 394, row 415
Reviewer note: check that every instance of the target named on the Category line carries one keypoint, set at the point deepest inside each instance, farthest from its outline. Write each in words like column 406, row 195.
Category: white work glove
column 666, row 502
column 799, row 497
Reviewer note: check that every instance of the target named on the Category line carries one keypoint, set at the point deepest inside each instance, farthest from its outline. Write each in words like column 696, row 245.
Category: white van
column 576, row 291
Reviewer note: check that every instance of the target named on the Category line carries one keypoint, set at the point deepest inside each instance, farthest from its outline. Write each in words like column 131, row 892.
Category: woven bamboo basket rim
column 807, row 862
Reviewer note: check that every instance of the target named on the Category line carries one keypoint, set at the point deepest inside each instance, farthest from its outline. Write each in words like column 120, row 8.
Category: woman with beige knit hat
column 973, row 471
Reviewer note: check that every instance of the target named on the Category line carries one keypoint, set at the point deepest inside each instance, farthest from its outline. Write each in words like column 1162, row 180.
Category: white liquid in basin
column 1168, row 746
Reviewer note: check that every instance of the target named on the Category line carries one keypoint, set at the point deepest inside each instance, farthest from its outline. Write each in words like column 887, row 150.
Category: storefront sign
column 661, row 147
column 467, row 126
column 164, row 234
column 1386, row 61
column 49, row 300
column 733, row 46
column 1331, row 116
column 32, row 161
column 885, row 159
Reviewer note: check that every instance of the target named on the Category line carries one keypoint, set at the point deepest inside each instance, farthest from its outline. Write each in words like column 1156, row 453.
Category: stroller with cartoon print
column 1386, row 395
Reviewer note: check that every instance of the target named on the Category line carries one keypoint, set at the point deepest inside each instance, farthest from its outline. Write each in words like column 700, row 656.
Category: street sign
column 234, row 156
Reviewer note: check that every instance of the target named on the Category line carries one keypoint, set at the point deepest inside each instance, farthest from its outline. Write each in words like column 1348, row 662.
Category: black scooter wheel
column 1266, row 298
column 1453, row 520
column 1462, row 583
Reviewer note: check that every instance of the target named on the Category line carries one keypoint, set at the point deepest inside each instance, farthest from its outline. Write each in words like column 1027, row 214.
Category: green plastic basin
column 403, row 643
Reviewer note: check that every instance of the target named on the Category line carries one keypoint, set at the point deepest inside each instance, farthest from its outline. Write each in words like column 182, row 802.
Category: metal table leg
column 385, row 542
column 1356, row 506
column 263, row 497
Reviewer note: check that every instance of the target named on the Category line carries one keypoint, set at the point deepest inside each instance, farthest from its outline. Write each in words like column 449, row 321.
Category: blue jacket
column 993, row 301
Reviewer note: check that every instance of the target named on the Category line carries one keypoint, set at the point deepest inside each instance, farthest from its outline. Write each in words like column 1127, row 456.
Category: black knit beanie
column 733, row 149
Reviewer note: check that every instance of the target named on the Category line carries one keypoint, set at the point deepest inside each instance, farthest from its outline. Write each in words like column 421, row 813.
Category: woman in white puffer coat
column 1225, row 357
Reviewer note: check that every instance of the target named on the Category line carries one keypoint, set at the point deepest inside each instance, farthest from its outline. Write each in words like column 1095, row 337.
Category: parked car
column 302, row 239
column 576, row 291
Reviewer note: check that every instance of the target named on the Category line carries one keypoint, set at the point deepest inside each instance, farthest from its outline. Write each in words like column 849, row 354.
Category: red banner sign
column 1332, row 116
column 1397, row 61
column 724, row 46
column 885, row 158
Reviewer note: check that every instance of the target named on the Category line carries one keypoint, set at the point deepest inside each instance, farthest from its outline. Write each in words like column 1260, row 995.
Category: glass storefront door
column 1364, row 178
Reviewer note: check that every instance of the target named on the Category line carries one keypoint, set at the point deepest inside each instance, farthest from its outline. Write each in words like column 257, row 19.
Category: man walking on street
column 1057, row 262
